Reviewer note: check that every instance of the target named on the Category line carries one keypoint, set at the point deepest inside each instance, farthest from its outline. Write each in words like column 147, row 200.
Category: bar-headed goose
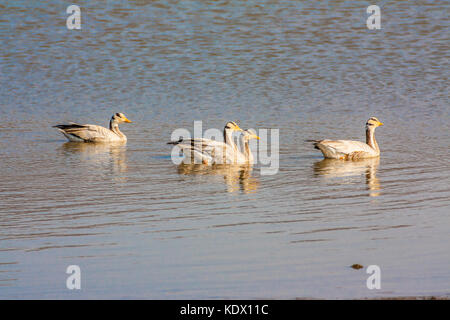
column 352, row 150
column 93, row 133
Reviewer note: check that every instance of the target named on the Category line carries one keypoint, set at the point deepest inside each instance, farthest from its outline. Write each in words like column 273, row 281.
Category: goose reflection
column 333, row 168
column 101, row 156
column 236, row 177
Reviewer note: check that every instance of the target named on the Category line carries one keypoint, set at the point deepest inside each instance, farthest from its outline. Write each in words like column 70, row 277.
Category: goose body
column 349, row 149
column 93, row 133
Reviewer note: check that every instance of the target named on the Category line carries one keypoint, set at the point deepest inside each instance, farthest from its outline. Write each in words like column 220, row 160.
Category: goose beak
column 256, row 137
column 127, row 120
column 237, row 128
column 380, row 123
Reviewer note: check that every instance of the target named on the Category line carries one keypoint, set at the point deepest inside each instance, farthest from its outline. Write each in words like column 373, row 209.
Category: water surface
column 140, row 227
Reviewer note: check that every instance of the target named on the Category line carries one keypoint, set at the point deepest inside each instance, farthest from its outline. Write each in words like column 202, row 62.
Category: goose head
column 373, row 123
column 119, row 118
column 232, row 126
column 249, row 134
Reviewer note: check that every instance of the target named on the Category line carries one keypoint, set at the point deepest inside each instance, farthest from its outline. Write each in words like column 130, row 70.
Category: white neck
column 370, row 139
column 114, row 127
column 228, row 137
column 247, row 152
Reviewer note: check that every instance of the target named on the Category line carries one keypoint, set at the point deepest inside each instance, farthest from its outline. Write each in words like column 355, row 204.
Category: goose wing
column 209, row 150
column 86, row 132
column 192, row 155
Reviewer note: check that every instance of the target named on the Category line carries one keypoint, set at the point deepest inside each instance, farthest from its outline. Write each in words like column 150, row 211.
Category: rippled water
column 140, row 227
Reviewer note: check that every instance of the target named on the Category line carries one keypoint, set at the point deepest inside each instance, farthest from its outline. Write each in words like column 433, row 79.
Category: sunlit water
column 140, row 227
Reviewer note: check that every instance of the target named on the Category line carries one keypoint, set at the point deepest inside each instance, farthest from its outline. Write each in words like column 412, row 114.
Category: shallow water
column 140, row 227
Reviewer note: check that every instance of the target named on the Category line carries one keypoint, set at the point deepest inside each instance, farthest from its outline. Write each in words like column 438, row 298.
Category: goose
column 208, row 151
column 93, row 133
column 352, row 150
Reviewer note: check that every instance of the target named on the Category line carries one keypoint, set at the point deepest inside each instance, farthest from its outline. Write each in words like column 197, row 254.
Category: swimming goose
column 93, row 133
column 352, row 150
column 208, row 151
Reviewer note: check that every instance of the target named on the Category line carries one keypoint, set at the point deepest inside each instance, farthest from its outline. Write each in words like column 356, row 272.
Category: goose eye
column 117, row 115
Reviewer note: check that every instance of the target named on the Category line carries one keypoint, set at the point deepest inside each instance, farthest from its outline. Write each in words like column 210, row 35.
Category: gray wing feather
column 87, row 132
